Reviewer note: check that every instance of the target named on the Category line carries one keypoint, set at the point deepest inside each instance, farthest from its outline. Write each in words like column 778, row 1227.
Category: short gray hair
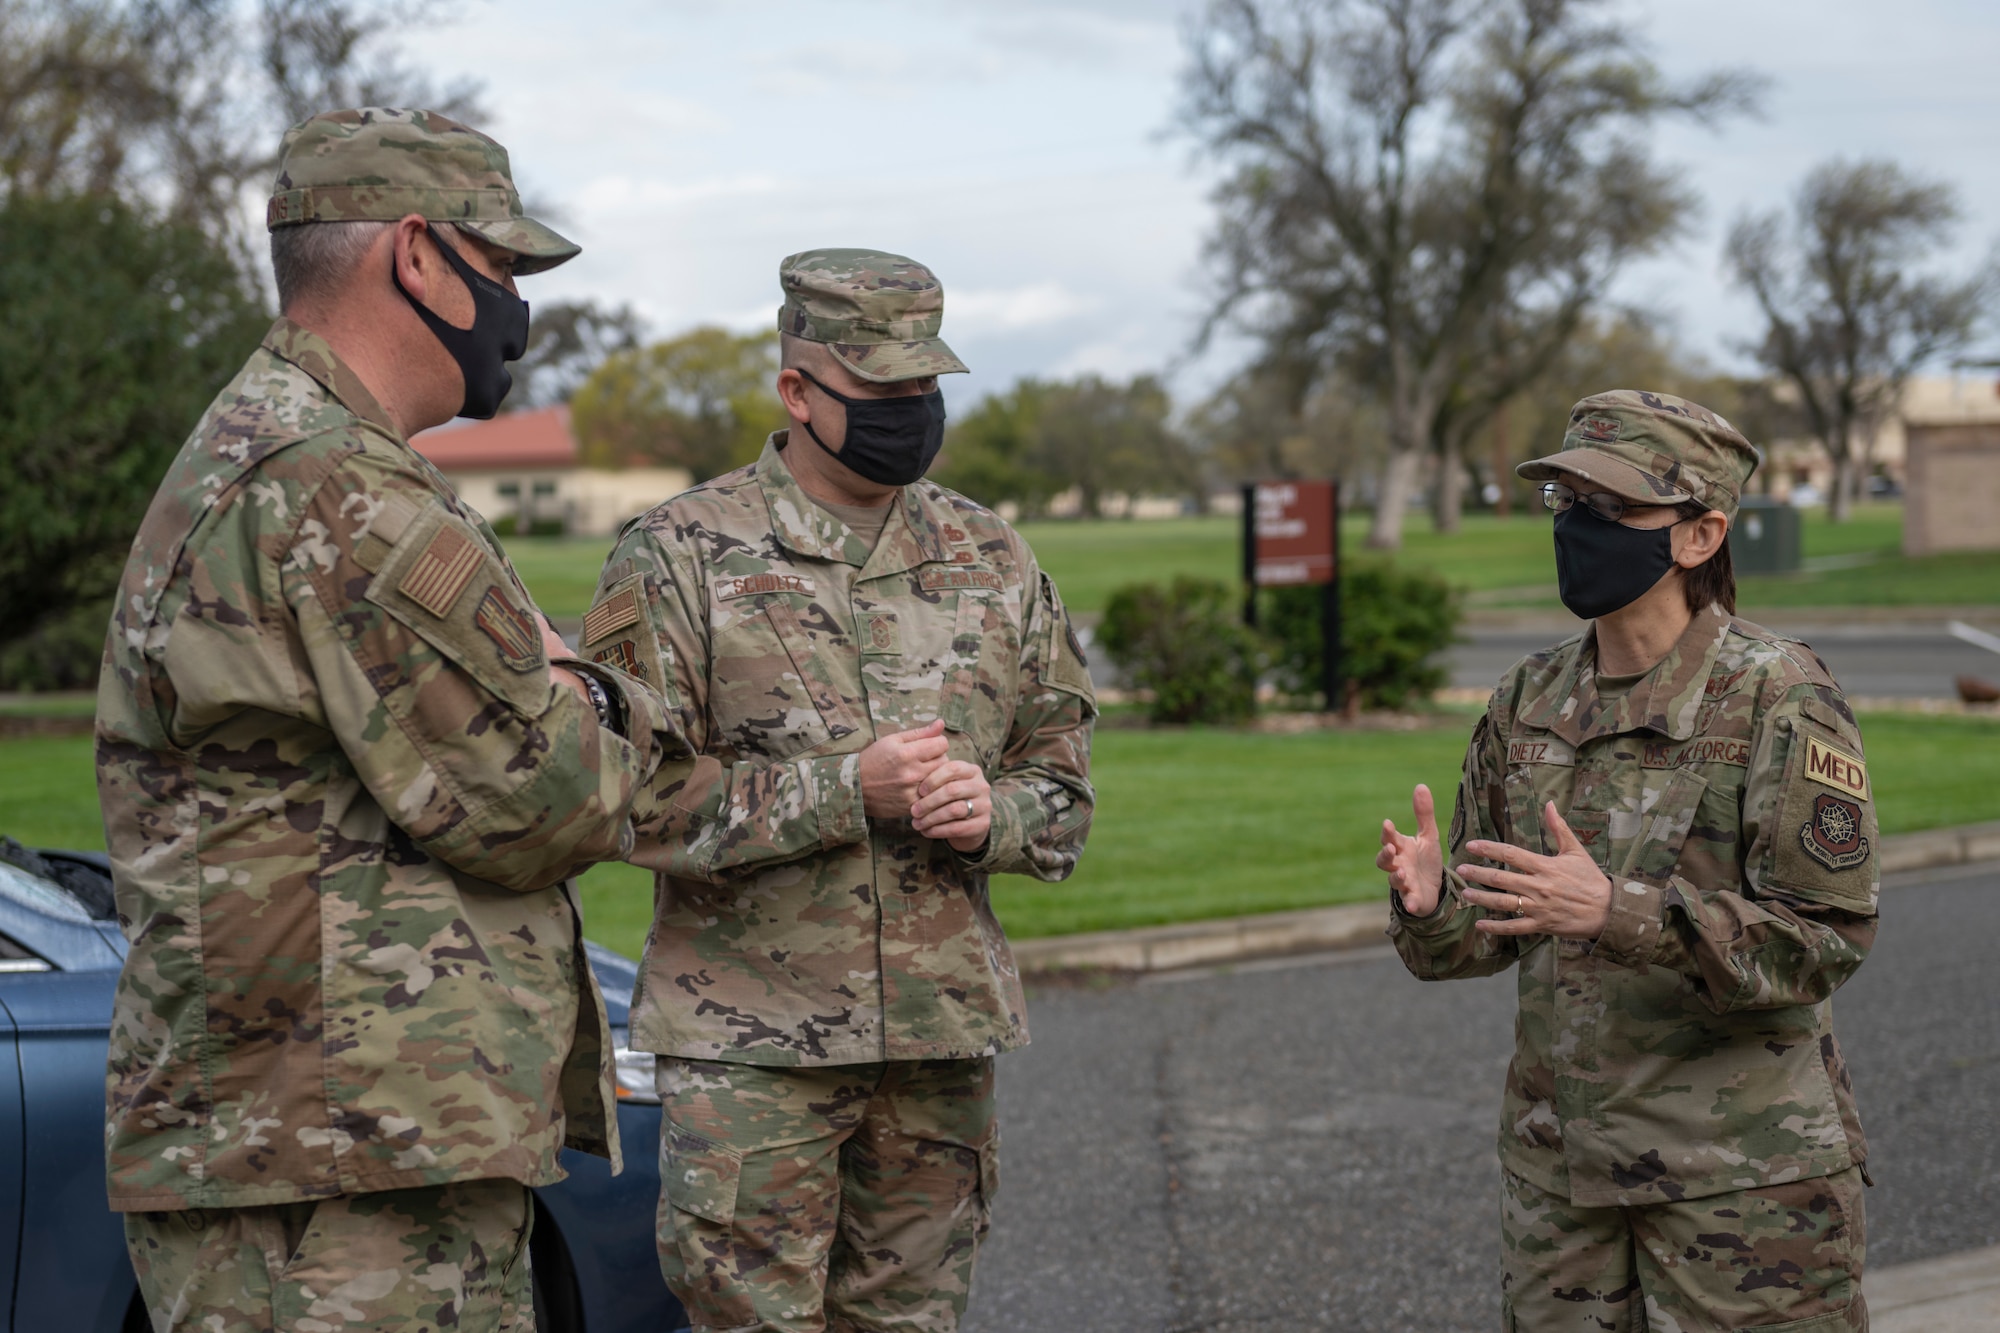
column 311, row 258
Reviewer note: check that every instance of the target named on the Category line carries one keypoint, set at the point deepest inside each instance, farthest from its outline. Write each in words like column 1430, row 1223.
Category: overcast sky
column 1018, row 148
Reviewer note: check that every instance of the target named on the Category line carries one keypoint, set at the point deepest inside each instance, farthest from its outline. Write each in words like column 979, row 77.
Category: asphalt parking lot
column 1312, row 1145
column 1871, row 661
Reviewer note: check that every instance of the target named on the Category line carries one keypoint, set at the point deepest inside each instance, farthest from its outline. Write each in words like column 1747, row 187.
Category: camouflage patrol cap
column 379, row 164
column 879, row 313
column 1651, row 448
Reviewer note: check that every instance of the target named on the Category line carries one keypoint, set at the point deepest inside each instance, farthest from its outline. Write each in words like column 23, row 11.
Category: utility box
column 1765, row 537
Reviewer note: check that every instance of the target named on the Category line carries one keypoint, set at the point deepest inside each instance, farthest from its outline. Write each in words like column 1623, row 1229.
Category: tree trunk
column 1399, row 482
column 1840, row 494
column 1448, row 509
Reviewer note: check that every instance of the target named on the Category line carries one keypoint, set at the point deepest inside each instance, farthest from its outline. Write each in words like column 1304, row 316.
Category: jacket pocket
column 1646, row 844
column 976, row 699
column 699, row 1176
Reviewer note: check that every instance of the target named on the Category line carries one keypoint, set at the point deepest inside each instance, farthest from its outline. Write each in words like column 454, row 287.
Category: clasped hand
column 906, row 775
column 1564, row 895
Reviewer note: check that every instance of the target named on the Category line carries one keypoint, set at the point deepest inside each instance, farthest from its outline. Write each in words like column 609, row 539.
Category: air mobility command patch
column 512, row 630
column 1832, row 836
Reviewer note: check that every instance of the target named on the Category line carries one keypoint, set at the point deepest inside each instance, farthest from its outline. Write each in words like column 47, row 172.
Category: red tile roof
column 537, row 439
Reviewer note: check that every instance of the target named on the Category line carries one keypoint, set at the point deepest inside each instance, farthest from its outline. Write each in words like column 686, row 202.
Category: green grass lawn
column 1505, row 562
column 1190, row 824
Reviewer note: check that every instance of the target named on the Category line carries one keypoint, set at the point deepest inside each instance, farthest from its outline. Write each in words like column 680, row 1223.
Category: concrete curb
column 1351, row 925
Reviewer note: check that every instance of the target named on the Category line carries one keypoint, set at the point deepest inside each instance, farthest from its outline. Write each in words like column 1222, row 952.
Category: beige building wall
column 1953, row 487
column 588, row 502
column 1927, row 400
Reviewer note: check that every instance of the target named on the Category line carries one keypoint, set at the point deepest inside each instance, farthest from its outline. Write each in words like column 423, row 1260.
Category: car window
column 38, row 894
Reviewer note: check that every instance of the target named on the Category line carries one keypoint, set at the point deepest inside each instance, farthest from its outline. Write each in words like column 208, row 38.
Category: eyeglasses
column 1601, row 504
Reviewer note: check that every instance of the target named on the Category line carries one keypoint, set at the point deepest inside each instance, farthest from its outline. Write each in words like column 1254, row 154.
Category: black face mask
column 499, row 334
column 1602, row 566
column 890, row 441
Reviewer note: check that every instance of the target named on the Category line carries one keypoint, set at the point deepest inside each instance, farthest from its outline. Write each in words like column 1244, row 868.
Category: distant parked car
column 62, row 1250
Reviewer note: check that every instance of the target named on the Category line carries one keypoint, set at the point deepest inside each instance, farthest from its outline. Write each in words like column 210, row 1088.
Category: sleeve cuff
column 1002, row 840
column 1449, row 905
column 1631, row 934
column 835, row 783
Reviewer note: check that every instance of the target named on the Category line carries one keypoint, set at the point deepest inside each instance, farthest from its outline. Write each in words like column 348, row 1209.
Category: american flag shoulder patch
column 611, row 615
column 437, row 577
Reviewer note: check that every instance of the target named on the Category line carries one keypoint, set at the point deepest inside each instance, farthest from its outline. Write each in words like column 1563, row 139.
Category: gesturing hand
column 895, row 765
column 956, row 804
column 1564, row 895
column 1415, row 865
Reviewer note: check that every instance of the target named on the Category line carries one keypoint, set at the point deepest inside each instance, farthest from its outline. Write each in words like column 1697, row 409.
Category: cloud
column 625, row 194
column 1007, row 309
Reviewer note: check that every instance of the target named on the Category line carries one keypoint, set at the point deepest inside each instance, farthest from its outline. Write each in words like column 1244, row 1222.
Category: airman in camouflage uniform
column 825, row 979
column 344, row 785
column 1678, row 1135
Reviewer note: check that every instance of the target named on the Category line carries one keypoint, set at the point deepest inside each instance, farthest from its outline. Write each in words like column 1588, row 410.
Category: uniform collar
column 914, row 535
column 312, row 354
column 1666, row 700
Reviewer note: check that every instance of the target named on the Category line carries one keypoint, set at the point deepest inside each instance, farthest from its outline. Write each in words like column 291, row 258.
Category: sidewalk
column 1351, row 925
column 1959, row 1293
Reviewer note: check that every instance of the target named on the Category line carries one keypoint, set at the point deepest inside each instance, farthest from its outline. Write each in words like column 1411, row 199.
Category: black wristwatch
column 607, row 712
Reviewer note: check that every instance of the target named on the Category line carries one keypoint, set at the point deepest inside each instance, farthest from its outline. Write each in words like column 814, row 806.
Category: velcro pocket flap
column 699, row 1176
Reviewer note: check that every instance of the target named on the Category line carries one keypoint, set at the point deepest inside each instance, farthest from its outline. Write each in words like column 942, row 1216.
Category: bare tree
column 179, row 103
column 1410, row 176
column 1847, row 315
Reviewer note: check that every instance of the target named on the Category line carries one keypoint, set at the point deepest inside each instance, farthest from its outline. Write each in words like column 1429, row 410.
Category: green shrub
column 63, row 652
column 1394, row 623
column 1187, row 644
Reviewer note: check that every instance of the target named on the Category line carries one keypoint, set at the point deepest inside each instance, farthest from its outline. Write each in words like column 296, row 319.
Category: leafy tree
column 992, row 453
column 1044, row 437
column 1848, row 315
column 704, row 401
column 115, row 332
column 567, row 340
column 1424, row 196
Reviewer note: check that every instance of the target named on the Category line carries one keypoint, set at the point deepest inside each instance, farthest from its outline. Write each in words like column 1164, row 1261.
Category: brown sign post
column 1291, row 538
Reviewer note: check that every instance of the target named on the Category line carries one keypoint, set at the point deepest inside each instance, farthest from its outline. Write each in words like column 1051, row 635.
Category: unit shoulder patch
column 512, row 630
column 625, row 656
column 1833, row 836
column 1833, row 767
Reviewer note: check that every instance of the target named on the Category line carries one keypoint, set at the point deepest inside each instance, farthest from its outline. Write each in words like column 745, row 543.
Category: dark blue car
column 62, row 1251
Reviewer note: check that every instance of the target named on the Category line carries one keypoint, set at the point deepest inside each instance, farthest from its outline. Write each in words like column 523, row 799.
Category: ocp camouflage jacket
column 341, row 796
column 1689, row 1049
column 787, row 930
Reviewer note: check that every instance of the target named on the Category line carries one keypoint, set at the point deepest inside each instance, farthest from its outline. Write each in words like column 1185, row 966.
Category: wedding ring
column 968, row 807
column 1519, row 903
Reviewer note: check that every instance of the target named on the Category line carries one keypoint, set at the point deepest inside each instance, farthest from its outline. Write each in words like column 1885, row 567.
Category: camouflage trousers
column 849, row 1196
column 1779, row 1257
column 445, row 1257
